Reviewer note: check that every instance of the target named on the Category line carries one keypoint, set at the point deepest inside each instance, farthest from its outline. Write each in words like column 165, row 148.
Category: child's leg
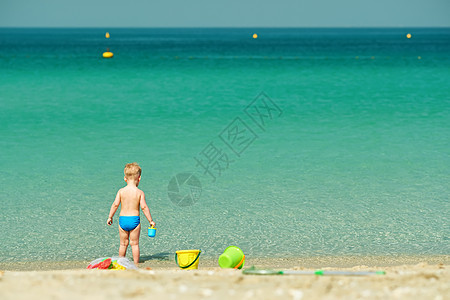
column 124, row 235
column 134, row 241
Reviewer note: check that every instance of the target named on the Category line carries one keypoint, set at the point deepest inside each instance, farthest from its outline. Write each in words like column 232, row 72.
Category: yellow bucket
column 187, row 259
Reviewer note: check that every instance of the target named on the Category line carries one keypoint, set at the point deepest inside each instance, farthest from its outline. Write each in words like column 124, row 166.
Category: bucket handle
column 240, row 263
column 193, row 262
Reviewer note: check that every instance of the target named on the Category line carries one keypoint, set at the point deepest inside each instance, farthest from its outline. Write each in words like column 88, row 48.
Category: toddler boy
column 130, row 198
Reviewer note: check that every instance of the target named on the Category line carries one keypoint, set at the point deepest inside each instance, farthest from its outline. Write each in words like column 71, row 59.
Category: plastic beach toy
column 112, row 263
column 232, row 257
column 187, row 259
column 151, row 231
column 254, row 271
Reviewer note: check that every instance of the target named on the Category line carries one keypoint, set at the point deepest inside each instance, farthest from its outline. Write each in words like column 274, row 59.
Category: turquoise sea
column 353, row 156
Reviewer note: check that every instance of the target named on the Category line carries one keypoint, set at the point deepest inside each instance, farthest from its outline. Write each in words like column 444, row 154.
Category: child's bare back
column 130, row 198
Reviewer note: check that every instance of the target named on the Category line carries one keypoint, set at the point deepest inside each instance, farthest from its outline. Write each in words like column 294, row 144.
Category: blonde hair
column 132, row 171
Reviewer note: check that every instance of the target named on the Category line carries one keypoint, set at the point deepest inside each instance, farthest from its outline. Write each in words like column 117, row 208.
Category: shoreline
column 315, row 262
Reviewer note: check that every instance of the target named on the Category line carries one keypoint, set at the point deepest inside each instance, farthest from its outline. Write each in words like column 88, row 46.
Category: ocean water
column 300, row 143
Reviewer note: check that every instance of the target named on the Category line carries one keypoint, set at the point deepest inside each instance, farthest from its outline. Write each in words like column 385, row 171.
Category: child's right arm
column 146, row 210
column 113, row 209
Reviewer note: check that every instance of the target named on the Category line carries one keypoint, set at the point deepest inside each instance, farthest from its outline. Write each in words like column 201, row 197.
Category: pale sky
column 225, row 13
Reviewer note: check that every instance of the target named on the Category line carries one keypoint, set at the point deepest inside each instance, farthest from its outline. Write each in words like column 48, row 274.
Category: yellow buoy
column 108, row 54
column 255, row 36
column 408, row 35
column 107, row 35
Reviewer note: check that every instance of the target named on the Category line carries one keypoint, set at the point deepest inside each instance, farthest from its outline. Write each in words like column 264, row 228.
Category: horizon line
column 220, row 27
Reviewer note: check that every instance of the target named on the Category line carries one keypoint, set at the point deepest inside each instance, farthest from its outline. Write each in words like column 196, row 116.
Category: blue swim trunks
column 129, row 223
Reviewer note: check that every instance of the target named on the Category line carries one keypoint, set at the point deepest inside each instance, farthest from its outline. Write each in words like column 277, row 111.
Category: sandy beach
column 427, row 278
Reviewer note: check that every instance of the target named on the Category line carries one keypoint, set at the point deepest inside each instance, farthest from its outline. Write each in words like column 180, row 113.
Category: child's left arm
column 113, row 209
